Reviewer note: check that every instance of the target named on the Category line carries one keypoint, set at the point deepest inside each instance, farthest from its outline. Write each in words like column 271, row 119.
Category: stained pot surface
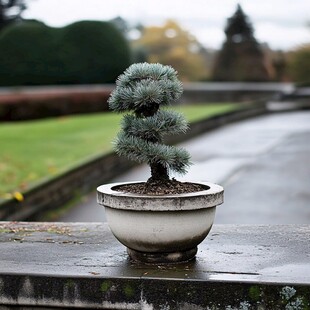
column 108, row 196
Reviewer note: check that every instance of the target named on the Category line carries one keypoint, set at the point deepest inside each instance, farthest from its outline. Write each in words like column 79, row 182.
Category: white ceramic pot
column 160, row 229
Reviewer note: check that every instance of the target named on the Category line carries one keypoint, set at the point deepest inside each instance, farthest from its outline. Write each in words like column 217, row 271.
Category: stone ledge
column 82, row 265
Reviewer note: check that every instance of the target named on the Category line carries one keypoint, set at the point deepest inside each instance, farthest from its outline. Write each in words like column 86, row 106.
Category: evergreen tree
column 240, row 58
column 142, row 90
column 10, row 11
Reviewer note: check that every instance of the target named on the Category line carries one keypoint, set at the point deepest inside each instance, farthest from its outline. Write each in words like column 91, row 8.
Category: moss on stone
column 129, row 291
column 255, row 293
column 105, row 286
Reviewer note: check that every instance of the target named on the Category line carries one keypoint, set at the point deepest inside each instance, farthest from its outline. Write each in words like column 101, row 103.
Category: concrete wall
column 234, row 91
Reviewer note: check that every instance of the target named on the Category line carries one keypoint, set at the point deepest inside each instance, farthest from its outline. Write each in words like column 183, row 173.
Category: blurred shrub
column 93, row 52
column 25, row 52
column 27, row 105
column 32, row 53
column 299, row 65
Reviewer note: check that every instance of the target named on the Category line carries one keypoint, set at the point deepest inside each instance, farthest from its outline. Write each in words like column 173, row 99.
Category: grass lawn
column 33, row 150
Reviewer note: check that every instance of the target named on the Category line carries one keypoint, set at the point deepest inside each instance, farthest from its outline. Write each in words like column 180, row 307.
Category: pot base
column 162, row 258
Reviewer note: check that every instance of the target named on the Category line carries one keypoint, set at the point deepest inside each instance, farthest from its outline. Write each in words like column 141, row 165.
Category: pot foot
column 162, row 258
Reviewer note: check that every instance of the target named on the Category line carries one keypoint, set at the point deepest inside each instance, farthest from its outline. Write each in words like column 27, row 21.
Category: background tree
column 275, row 63
column 85, row 52
column 92, row 52
column 121, row 24
column 279, row 65
column 25, row 53
column 10, row 11
column 241, row 58
column 299, row 65
column 172, row 45
column 131, row 32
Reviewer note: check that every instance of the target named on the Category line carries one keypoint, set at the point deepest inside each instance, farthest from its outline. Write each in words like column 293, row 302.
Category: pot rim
column 208, row 198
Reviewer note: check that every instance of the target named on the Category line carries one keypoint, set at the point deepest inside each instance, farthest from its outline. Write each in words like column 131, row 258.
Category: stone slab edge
column 147, row 293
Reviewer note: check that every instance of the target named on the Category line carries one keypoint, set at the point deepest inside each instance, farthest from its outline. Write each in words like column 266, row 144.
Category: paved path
column 263, row 164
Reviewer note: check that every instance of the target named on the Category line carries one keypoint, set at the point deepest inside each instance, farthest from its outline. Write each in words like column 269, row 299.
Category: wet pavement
column 263, row 253
column 263, row 164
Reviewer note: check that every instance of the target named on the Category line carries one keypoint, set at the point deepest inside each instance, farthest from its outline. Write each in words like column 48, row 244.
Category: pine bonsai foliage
column 142, row 90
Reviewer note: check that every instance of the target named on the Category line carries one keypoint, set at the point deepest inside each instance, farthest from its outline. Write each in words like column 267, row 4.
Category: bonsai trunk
column 159, row 173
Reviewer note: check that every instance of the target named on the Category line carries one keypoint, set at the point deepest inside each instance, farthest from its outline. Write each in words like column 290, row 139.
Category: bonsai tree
column 142, row 90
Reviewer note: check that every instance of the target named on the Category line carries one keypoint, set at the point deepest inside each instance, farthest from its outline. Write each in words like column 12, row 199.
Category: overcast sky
column 282, row 24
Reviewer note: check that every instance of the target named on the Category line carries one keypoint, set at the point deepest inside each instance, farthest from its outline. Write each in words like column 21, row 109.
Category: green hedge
column 32, row 53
